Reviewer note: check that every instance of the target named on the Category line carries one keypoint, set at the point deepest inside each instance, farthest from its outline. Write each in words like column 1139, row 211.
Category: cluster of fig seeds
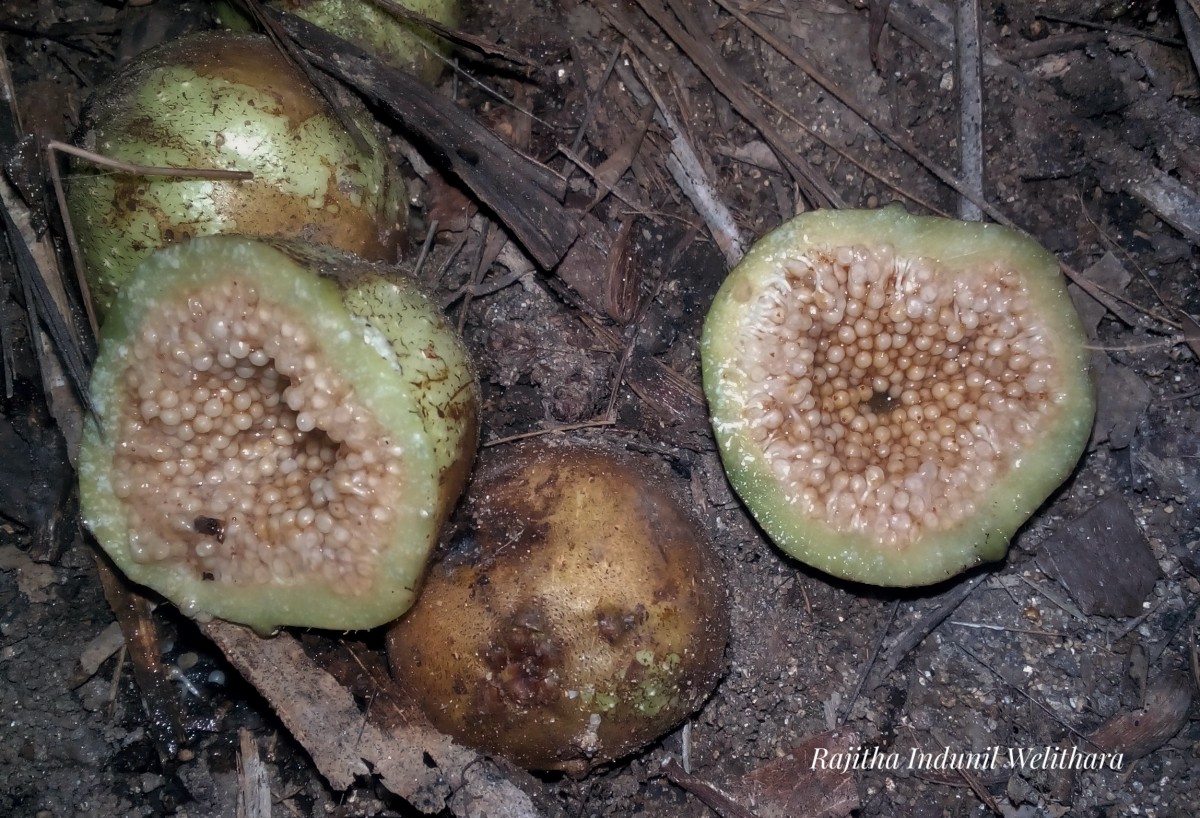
column 244, row 454
column 886, row 394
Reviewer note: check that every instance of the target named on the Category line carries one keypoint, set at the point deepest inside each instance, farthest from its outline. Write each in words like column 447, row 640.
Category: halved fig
column 576, row 614
column 281, row 434
column 225, row 101
column 894, row 395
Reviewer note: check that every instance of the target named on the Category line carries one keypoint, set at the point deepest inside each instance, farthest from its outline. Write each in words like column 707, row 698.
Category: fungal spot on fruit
column 615, row 625
column 210, row 527
column 523, row 658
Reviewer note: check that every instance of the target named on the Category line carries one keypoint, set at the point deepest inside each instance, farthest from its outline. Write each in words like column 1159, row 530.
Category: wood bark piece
column 521, row 193
column 164, row 709
column 970, row 105
column 1137, row 733
column 254, row 783
column 1174, row 202
column 1189, row 21
column 323, row 716
column 62, row 351
column 1103, row 560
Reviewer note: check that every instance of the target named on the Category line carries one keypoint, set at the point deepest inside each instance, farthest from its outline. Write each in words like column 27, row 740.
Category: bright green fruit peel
column 282, row 433
column 229, row 102
column 894, row 395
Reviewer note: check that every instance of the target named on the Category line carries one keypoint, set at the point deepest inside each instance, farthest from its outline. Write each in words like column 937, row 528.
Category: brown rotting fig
column 575, row 615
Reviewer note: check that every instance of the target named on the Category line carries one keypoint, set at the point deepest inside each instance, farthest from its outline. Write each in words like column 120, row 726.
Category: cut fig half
column 893, row 395
column 280, row 436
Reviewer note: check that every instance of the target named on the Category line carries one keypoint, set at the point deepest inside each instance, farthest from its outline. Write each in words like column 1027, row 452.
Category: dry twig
column 916, row 633
column 717, row 800
column 686, row 169
column 816, row 188
column 970, row 106
column 54, row 147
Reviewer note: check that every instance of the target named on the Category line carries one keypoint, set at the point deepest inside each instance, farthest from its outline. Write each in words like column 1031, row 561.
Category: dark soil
column 1093, row 616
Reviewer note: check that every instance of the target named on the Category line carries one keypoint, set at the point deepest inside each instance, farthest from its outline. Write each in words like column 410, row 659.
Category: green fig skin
column 396, row 42
column 1057, row 410
column 576, row 614
column 225, row 101
column 398, row 365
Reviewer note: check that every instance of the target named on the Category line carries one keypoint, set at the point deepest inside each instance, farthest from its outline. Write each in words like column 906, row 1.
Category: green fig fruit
column 225, row 101
column 396, row 42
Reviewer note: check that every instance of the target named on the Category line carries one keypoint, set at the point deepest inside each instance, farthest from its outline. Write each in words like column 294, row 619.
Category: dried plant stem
column 970, row 106
column 899, row 137
column 566, row 427
column 687, row 170
column 54, row 146
column 719, row 801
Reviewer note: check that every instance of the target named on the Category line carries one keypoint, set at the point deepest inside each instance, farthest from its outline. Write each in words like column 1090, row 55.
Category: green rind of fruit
column 227, row 102
column 1015, row 496
column 396, row 42
column 419, row 383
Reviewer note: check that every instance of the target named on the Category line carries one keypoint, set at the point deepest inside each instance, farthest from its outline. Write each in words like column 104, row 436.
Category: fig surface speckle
column 575, row 613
